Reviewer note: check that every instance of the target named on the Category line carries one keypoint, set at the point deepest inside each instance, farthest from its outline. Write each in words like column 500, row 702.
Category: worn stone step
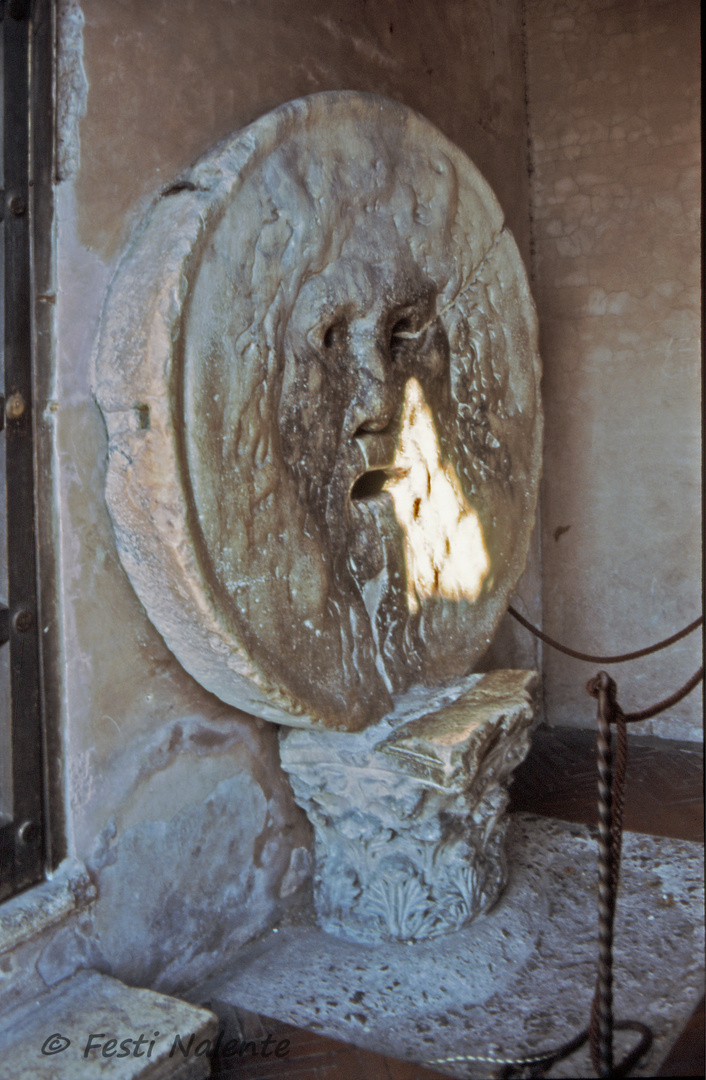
column 92, row 1025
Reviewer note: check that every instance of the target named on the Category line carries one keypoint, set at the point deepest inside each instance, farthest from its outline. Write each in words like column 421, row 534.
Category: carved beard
column 376, row 563
column 364, row 547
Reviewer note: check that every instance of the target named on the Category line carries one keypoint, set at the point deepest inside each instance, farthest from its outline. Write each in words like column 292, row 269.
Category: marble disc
column 318, row 368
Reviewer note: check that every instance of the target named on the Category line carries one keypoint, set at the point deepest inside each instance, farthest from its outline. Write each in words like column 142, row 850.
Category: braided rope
column 611, row 792
column 621, row 658
column 666, row 703
column 601, row 1024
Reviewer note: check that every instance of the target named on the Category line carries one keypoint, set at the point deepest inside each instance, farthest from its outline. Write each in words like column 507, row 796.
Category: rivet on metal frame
column 22, row 621
column 15, row 406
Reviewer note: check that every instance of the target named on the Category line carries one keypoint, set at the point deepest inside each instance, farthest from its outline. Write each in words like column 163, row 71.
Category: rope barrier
column 590, row 658
column 654, row 710
column 611, row 794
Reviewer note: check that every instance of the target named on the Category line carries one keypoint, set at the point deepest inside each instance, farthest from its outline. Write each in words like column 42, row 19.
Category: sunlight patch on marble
column 444, row 548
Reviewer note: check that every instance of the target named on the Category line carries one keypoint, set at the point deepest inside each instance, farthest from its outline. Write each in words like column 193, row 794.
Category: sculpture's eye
column 405, row 330
column 335, row 335
column 402, row 329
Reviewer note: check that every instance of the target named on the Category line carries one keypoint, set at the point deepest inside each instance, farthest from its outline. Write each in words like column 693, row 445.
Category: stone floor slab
column 48, row 1039
column 515, row 982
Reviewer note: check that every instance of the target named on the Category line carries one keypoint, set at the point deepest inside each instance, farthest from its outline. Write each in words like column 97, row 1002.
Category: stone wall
column 174, row 801
column 614, row 124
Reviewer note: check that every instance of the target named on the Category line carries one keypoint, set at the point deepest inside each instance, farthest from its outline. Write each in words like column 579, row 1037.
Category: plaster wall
column 613, row 92
column 176, row 802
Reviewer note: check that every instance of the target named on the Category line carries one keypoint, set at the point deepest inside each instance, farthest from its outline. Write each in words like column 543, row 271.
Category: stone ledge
column 47, row 1039
column 36, row 910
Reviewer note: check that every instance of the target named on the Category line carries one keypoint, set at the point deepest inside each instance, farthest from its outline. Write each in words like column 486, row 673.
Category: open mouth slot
column 370, row 484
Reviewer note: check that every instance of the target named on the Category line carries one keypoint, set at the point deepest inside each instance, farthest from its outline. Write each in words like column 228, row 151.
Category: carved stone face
column 357, row 334
column 344, row 341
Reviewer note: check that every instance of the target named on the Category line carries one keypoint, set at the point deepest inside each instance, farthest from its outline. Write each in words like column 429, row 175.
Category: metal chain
column 538, row 1065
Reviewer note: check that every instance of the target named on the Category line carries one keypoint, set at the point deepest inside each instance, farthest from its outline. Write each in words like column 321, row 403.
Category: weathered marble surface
column 319, row 373
column 408, row 816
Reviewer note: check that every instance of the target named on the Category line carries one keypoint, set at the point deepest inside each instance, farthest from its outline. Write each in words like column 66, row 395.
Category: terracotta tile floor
column 664, row 797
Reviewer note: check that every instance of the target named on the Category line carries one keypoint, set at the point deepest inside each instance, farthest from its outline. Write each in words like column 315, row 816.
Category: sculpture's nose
column 375, row 396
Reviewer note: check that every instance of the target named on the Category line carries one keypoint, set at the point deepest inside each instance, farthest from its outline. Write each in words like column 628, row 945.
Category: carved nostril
column 376, row 396
column 376, row 407
column 369, row 427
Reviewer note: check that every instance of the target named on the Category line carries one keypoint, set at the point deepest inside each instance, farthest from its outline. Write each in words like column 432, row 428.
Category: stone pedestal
column 409, row 814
